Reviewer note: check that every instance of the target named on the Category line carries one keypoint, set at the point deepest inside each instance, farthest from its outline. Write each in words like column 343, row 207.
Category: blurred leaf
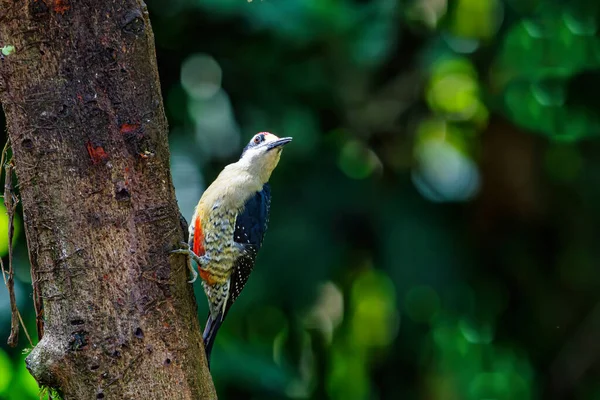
column 4, row 230
column 26, row 382
column 6, row 371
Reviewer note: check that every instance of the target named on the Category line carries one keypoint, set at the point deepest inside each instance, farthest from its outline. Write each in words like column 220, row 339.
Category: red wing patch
column 198, row 246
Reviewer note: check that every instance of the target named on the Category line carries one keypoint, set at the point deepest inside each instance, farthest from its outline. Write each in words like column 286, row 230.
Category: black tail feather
column 209, row 335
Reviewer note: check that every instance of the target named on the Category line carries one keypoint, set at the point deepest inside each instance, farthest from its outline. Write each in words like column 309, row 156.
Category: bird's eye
column 258, row 139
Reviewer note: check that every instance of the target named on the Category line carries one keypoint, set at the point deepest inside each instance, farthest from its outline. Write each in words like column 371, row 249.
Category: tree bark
column 81, row 94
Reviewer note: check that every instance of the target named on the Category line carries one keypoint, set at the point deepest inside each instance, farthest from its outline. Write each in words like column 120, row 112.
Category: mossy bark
column 85, row 117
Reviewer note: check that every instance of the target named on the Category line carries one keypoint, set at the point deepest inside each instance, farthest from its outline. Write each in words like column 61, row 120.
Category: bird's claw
column 200, row 260
column 194, row 273
column 188, row 252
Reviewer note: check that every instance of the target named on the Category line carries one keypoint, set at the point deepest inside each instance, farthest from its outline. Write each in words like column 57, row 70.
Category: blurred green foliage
column 434, row 222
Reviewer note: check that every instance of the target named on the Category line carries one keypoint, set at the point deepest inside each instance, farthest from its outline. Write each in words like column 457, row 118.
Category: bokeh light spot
column 201, row 76
column 477, row 18
column 217, row 131
column 453, row 90
column 460, row 44
column 444, row 173
column 357, row 161
column 549, row 93
column 328, row 311
column 428, row 12
column 374, row 315
column 455, row 95
column 582, row 24
column 476, row 332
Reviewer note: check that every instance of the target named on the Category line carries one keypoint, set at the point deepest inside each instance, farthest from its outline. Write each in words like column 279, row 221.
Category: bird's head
column 262, row 153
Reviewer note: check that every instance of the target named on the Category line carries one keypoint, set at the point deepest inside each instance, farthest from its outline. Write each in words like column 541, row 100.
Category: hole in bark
column 139, row 333
column 37, row 7
column 168, row 361
column 100, row 396
column 116, row 353
column 108, row 56
column 27, row 144
column 90, row 98
column 121, row 192
column 77, row 322
column 94, row 367
column 78, row 340
column 133, row 22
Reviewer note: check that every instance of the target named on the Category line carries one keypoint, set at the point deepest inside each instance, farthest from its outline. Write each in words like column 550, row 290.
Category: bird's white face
column 263, row 152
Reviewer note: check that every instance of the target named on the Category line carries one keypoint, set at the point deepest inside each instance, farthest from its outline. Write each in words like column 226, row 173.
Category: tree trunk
column 81, row 94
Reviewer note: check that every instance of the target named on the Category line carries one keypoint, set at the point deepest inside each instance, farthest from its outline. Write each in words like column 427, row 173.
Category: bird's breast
column 217, row 212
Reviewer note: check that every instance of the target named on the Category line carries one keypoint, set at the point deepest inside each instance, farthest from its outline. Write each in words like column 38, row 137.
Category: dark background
column 434, row 223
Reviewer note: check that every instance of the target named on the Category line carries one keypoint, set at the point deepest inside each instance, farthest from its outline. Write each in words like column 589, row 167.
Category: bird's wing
column 250, row 227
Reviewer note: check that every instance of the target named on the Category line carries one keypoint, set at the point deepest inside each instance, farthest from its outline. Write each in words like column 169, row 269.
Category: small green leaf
column 7, row 50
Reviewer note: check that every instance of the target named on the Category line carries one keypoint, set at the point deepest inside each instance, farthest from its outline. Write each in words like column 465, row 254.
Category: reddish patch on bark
column 97, row 153
column 128, row 128
column 61, row 6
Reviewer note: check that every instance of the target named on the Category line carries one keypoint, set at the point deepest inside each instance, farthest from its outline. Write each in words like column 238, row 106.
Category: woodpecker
column 228, row 227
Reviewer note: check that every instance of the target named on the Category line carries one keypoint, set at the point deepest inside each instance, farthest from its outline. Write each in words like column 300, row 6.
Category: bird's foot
column 202, row 261
column 193, row 271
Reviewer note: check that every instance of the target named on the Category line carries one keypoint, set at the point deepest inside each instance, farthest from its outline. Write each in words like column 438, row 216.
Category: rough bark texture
column 89, row 136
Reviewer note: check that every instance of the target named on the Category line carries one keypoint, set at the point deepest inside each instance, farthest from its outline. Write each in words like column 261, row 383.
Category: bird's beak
column 278, row 143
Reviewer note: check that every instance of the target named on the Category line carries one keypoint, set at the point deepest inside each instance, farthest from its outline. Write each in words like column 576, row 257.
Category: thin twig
column 4, row 151
column 10, row 202
column 13, row 339
column 25, row 328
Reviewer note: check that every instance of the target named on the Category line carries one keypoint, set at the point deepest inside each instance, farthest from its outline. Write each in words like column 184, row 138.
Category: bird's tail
column 210, row 333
